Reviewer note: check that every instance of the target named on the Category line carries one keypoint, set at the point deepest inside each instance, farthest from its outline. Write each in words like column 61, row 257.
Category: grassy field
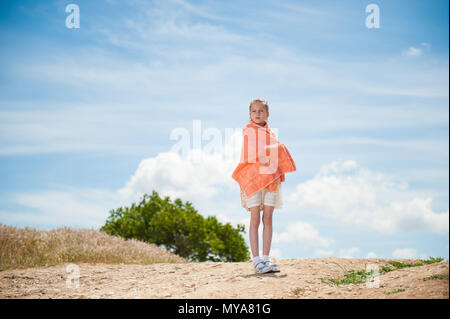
column 27, row 247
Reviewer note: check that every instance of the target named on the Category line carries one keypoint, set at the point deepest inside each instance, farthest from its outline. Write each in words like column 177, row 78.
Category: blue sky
column 86, row 115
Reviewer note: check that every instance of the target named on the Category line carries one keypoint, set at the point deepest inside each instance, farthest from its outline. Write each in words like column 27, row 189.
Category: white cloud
column 412, row 51
column 303, row 234
column 415, row 214
column 224, row 218
column 344, row 191
column 197, row 10
column 197, row 31
column 343, row 253
column 196, row 174
column 172, row 176
column 302, row 10
column 323, row 253
column 404, row 253
column 348, row 253
column 371, row 255
column 276, row 253
column 100, row 72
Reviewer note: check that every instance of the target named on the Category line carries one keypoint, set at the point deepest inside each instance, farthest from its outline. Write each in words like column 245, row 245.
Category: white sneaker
column 261, row 268
column 273, row 267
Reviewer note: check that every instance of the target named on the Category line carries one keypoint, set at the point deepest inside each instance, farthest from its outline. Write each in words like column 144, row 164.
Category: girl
column 264, row 162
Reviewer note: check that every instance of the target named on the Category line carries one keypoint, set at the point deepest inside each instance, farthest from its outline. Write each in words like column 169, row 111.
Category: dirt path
column 299, row 278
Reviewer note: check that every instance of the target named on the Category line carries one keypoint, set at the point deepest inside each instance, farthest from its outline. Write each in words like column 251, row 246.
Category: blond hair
column 262, row 101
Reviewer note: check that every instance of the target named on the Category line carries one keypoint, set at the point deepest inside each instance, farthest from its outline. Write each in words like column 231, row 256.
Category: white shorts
column 263, row 197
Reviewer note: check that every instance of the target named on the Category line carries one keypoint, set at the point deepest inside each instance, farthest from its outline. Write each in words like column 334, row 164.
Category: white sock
column 266, row 258
column 256, row 259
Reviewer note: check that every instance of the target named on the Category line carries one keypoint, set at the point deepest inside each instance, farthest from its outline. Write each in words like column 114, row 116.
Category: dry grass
column 27, row 247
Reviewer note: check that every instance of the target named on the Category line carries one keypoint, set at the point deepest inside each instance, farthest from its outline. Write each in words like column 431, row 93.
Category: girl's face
column 258, row 113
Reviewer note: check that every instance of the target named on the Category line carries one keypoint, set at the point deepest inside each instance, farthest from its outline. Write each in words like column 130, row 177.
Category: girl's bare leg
column 267, row 229
column 253, row 231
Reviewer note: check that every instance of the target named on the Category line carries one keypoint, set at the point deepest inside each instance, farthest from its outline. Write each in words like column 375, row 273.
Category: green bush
column 180, row 228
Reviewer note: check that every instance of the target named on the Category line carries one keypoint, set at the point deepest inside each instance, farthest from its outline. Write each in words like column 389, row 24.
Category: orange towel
column 264, row 160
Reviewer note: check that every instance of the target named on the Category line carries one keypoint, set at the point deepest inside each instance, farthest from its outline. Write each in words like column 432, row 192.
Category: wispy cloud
column 201, row 11
column 85, row 208
column 412, row 51
column 76, row 127
column 416, row 51
column 302, row 9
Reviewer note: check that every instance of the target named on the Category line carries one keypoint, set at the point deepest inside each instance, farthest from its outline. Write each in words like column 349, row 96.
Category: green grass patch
column 439, row 276
column 362, row 276
column 385, row 269
column 400, row 265
column 395, row 291
column 395, row 265
column 432, row 260
column 351, row 277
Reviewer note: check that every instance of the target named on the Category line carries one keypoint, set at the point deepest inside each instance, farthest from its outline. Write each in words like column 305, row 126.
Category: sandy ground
column 299, row 278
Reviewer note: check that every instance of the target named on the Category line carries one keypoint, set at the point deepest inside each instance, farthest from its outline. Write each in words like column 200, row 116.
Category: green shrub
column 180, row 228
column 438, row 276
column 395, row 291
